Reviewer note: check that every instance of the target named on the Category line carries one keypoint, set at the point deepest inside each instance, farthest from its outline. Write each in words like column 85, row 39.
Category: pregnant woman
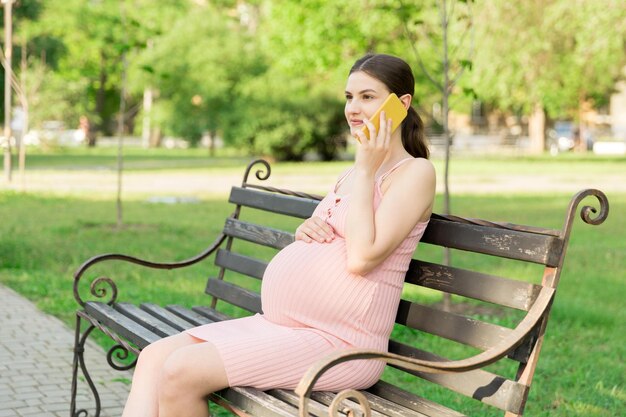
column 336, row 287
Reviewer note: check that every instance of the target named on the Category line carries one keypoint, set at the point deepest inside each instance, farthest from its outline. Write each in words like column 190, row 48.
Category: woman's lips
column 356, row 123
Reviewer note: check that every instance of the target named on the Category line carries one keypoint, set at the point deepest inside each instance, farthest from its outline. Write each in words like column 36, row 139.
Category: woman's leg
column 188, row 375
column 142, row 400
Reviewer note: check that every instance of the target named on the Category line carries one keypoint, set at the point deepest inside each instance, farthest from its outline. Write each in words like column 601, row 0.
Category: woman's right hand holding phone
column 371, row 152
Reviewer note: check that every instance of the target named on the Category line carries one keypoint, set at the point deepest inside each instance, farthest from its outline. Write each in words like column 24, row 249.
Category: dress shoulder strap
column 342, row 177
column 393, row 168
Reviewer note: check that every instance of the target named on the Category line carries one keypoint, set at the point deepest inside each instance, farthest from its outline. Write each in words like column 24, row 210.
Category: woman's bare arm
column 372, row 236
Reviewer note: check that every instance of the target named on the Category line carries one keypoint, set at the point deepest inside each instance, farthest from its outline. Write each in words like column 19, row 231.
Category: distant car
column 562, row 138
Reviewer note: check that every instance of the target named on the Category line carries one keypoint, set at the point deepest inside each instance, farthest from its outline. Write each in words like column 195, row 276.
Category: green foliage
column 285, row 117
column 196, row 67
column 550, row 52
column 260, row 73
column 315, row 37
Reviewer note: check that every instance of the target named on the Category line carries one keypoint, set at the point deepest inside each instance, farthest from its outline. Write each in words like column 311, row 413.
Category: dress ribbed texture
column 313, row 306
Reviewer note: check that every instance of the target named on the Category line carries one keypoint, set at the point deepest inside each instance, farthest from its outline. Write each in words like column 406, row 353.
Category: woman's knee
column 154, row 355
column 194, row 370
column 178, row 379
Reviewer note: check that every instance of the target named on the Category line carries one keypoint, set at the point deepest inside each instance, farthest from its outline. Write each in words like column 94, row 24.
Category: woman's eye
column 348, row 97
column 367, row 97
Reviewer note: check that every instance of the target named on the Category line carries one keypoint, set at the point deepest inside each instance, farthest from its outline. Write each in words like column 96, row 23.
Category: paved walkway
column 36, row 365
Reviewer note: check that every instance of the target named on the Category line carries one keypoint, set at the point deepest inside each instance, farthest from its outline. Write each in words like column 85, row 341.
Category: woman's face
column 364, row 95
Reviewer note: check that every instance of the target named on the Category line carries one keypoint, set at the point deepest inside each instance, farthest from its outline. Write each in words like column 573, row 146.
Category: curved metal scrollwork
column 98, row 288
column 262, row 174
column 116, row 357
column 349, row 409
column 586, row 212
column 101, row 287
column 79, row 361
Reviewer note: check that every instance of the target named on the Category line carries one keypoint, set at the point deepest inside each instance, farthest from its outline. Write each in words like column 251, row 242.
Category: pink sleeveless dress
column 312, row 306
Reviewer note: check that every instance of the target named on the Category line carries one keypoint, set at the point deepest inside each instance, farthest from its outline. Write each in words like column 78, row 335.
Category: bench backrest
column 423, row 329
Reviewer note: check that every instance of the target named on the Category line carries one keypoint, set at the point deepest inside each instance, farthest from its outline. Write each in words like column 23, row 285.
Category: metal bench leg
column 79, row 359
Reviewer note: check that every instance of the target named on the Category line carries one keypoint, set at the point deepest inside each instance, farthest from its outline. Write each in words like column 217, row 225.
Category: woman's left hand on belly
column 315, row 229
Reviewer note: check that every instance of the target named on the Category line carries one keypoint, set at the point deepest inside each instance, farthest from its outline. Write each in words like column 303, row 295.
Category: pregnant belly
column 307, row 284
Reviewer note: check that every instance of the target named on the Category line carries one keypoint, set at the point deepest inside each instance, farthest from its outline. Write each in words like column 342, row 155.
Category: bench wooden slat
column 512, row 244
column 276, row 203
column 234, row 294
column 188, row 315
column 411, row 401
column 240, row 263
column 451, row 326
column 389, row 408
column 255, row 233
column 505, row 292
column 166, row 316
column 485, row 386
column 326, row 398
column 258, row 403
column 122, row 325
column 145, row 319
column 315, row 408
column 211, row 313
column 384, row 399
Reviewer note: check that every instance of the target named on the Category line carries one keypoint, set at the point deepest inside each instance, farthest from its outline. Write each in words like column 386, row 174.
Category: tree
column 28, row 11
column 195, row 68
column 285, row 117
column 311, row 45
column 589, row 55
column 219, row 70
column 244, row 69
column 449, row 33
column 7, row 54
column 552, row 56
column 150, row 23
column 87, row 65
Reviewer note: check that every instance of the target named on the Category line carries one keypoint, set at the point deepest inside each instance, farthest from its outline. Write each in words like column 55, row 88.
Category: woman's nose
column 352, row 107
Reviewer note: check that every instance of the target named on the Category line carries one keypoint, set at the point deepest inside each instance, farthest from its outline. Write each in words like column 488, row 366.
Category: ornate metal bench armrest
column 533, row 317
column 96, row 287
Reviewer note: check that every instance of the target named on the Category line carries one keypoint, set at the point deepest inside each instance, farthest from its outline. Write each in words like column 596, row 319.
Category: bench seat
column 146, row 323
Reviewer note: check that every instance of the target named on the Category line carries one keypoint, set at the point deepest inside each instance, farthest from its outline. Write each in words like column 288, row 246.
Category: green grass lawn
column 136, row 159
column 44, row 238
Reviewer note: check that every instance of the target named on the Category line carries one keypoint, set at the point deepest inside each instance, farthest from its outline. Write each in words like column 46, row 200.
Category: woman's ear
column 406, row 100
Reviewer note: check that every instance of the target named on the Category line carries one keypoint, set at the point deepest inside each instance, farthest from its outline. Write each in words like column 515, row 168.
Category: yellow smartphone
column 394, row 110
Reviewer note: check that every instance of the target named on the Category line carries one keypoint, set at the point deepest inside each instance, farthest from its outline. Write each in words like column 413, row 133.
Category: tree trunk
column 148, row 99
column 581, row 136
column 213, row 134
column 100, row 99
column 22, row 149
column 537, row 129
column 147, row 117
column 8, row 52
column 155, row 137
column 25, row 124
column 120, row 140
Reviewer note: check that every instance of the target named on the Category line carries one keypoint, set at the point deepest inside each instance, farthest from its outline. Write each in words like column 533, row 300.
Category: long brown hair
column 397, row 75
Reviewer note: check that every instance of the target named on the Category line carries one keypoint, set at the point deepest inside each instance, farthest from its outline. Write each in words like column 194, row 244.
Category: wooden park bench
column 426, row 335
